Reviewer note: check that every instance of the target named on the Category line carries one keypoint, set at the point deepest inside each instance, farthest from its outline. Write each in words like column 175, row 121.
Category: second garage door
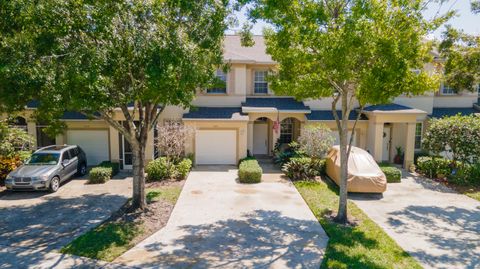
column 216, row 147
column 93, row 142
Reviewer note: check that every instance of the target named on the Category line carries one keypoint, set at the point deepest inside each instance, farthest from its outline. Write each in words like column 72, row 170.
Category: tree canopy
column 356, row 52
column 103, row 56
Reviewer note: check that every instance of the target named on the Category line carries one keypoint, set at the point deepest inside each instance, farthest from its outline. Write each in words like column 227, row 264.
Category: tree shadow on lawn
column 452, row 229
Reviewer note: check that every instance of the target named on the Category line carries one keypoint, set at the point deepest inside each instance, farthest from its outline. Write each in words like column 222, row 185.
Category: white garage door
column 337, row 138
column 216, row 147
column 93, row 142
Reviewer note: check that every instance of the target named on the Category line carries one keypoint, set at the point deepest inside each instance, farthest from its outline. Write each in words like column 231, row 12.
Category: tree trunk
column 139, row 200
column 342, row 216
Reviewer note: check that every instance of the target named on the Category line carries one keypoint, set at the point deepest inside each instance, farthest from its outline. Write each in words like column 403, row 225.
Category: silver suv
column 47, row 168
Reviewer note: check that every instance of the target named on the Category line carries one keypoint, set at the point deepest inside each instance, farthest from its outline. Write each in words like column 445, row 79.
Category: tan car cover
column 364, row 174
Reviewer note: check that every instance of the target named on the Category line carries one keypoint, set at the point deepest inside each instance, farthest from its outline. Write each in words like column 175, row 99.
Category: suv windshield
column 44, row 158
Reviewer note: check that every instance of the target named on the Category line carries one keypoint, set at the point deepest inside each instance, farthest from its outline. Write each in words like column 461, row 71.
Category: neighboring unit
column 246, row 116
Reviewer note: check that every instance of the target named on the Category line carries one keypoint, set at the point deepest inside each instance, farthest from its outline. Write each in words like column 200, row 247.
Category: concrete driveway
column 218, row 222
column 35, row 223
column 436, row 225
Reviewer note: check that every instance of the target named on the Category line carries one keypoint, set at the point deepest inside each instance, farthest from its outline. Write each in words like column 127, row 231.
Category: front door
column 127, row 154
column 260, row 139
column 386, row 144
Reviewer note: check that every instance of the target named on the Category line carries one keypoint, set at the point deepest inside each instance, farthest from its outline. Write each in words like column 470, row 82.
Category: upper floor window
column 418, row 135
column 260, row 85
column 221, row 83
column 446, row 90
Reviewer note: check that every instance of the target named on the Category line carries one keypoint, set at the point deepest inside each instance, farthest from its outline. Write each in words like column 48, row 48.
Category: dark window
column 260, row 82
column 286, row 131
column 73, row 152
column 66, row 155
column 418, row 135
column 221, row 81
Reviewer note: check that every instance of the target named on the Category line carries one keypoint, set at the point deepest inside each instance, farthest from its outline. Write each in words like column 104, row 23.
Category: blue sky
column 464, row 20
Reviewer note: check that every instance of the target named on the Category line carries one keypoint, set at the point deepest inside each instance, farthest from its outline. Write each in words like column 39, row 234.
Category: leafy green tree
column 106, row 57
column 355, row 52
column 461, row 52
column 458, row 135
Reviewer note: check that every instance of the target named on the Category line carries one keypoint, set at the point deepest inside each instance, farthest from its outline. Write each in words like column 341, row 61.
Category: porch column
column 114, row 145
column 409, row 145
column 32, row 130
column 250, row 136
column 275, row 137
column 375, row 140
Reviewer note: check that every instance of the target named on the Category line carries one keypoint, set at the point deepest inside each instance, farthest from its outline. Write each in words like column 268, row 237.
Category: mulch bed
column 154, row 217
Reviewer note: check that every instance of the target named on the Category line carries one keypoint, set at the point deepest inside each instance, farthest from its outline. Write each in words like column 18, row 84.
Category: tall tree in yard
column 99, row 57
column 355, row 52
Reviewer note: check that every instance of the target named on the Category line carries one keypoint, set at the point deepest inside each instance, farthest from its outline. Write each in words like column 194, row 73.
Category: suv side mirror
column 65, row 162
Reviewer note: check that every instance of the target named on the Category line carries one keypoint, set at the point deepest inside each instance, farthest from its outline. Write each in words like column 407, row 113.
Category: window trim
column 418, row 135
column 265, row 81
column 226, row 74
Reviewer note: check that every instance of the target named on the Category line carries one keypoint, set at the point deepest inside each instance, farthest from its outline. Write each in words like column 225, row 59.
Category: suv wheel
column 54, row 184
column 82, row 169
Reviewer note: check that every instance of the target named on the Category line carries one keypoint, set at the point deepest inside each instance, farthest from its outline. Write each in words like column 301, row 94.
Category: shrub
column 115, row 166
column 250, row 172
column 458, row 135
column 303, row 168
column 159, row 169
column 466, row 175
column 419, row 154
column 319, row 165
column 162, row 168
column 7, row 165
column 434, row 166
column 393, row 174
column 182, row 169
column 246, row 159
column 99, row 175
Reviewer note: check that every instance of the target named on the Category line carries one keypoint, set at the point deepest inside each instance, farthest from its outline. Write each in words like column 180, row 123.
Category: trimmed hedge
column 246, row 159
column 393, row 174
column 250, row 172
column 302, row 168
column 98, row 175
column 108, row 164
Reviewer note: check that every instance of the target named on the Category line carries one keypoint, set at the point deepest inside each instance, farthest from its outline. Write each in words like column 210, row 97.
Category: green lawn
column 112, row 239
column 363, row 246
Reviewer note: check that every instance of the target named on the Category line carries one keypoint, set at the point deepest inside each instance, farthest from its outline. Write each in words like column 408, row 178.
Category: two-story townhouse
column 245, row 116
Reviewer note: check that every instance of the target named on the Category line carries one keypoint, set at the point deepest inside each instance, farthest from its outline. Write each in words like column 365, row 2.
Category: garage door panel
column 94, row 142
column 216, row 147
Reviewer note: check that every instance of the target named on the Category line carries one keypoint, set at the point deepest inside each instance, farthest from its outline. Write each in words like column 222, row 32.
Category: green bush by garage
column 250, row 171
column 99, row 175
column 162, row 168
column 103, row 172
column 393, row 174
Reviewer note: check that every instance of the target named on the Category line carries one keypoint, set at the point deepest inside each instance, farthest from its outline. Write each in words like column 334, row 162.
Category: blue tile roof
column 386, row 107
column 212, row 112
column 285, row 103
column 440, row 112
column 328, row 115
column 72, row 115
